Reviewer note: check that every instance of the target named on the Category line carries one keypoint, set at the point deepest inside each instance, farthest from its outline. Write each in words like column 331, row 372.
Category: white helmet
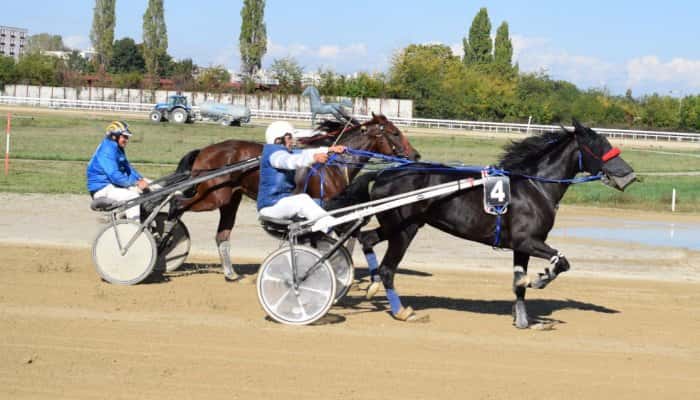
column 277, row 129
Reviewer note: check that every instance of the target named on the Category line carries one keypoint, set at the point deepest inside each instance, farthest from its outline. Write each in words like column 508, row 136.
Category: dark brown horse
column 378, row 135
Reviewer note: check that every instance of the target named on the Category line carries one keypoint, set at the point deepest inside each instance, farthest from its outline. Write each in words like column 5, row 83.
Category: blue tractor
column 176, row 110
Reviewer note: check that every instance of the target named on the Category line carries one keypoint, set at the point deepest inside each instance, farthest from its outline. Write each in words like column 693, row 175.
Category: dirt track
column 65, row 334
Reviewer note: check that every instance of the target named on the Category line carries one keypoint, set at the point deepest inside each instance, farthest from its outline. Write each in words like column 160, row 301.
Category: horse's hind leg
column 227, row 218
column 520, row 282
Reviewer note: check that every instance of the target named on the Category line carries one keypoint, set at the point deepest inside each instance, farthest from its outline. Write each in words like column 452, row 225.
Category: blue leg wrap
column 394, row 301
column 372, row 264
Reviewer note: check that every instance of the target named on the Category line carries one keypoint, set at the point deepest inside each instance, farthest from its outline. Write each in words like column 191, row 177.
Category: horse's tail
column 184, row 167
column 356, row 192
column 186, row 162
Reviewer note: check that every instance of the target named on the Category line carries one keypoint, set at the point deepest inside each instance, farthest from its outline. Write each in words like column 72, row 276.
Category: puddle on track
column 648, row 233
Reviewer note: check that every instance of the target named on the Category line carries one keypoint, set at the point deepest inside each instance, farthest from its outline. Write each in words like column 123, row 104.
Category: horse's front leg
column 398, row 244
column 368, row 240
column 540, row 249
column 520, row 282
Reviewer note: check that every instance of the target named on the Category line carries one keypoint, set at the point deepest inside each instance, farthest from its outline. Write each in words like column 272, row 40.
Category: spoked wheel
column 300, row 304
column 173, row 247
column 342, row 265
column 130, row 268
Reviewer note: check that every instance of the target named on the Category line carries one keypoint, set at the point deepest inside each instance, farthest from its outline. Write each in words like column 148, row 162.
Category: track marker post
column 673, row 200
column 7, row 143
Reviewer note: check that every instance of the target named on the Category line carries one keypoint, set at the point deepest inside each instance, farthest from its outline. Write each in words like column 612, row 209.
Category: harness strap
column 497, row 231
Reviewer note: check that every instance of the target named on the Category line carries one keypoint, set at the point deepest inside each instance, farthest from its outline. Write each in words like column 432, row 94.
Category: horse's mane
column 524, row 154
column 331, row 129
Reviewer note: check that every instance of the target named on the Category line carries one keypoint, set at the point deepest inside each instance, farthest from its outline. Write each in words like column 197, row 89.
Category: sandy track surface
column 66, row 334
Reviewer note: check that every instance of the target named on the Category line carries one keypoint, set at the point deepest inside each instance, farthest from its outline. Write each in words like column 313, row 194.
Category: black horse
column 556, row 157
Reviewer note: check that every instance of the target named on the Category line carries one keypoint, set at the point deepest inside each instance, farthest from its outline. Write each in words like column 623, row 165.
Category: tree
column 288, row 72
column 365, row 85
column 76, row 62
column 214, row 78
column 477, row 50
column 45, row 42
column 155, row 37
column 128, row 80
column 102, row 32
column 253, row 38
column 183, row 74
column 503, row 48
column 417, row 73
column 8, row 71
column 37, row 69
column 126, row 57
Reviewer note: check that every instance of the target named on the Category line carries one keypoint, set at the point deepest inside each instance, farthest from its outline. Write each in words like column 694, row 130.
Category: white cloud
column 326, row 51
column 457, row 49
column 77, row 42
column 227, row 56
column 678, row 72
column 642, row 74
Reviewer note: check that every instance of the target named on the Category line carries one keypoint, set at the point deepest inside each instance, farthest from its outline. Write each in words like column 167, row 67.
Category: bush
column 130, row 80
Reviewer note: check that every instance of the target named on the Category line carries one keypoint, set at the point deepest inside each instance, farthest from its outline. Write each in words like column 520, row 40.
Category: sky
column 646, row 46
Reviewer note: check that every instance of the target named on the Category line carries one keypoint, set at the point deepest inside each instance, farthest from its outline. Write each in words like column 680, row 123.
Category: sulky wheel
column 291, row 304
column 173, row 247
column 124, row 269
column 342, row 265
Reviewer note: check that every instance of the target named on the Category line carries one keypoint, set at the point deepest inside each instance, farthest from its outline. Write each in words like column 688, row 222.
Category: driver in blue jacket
column 109, row 173
column 277, row 169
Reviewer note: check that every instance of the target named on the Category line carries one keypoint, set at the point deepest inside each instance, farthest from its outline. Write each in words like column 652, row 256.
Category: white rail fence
column 495, row 127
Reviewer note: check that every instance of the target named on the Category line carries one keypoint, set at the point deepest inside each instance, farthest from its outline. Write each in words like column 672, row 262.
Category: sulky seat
column 277, row 227
column 102, row 204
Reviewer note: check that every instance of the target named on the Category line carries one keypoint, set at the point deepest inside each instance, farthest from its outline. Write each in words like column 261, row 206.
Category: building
column 88, row 54
column 13, row 41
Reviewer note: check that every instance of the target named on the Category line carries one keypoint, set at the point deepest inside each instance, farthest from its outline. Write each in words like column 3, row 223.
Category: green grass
column 50, row 153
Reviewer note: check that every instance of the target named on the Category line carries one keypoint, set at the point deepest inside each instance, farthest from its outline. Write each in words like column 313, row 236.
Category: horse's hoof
column 406, row 314
column 520, row 319
column 372, row 290
column 233, row 278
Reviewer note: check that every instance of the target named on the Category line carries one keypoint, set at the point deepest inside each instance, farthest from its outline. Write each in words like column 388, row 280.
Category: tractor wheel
column 236, row 122
column 178, row 116
column 155, row 116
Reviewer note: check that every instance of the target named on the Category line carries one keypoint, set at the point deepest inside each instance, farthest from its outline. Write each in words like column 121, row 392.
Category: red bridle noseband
column 614, row 152
column 609, row 155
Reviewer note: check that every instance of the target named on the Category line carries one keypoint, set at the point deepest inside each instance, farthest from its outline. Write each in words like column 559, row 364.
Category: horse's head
column 598, row 155
column 382, row 136
column 310, row 91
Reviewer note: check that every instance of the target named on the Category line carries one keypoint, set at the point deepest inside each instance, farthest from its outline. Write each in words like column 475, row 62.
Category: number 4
column 497, row 192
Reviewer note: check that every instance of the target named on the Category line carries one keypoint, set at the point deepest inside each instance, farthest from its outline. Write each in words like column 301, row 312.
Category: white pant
column 299, row 204
column 121, row 194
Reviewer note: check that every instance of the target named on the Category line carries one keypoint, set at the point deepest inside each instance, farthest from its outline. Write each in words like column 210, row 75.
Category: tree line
column 480, row 84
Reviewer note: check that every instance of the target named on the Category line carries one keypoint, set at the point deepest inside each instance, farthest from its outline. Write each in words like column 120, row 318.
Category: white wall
column 361, row 106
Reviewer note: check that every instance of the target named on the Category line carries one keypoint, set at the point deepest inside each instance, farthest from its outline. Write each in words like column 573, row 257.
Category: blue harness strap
column 497, row 231
column 318, row 169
